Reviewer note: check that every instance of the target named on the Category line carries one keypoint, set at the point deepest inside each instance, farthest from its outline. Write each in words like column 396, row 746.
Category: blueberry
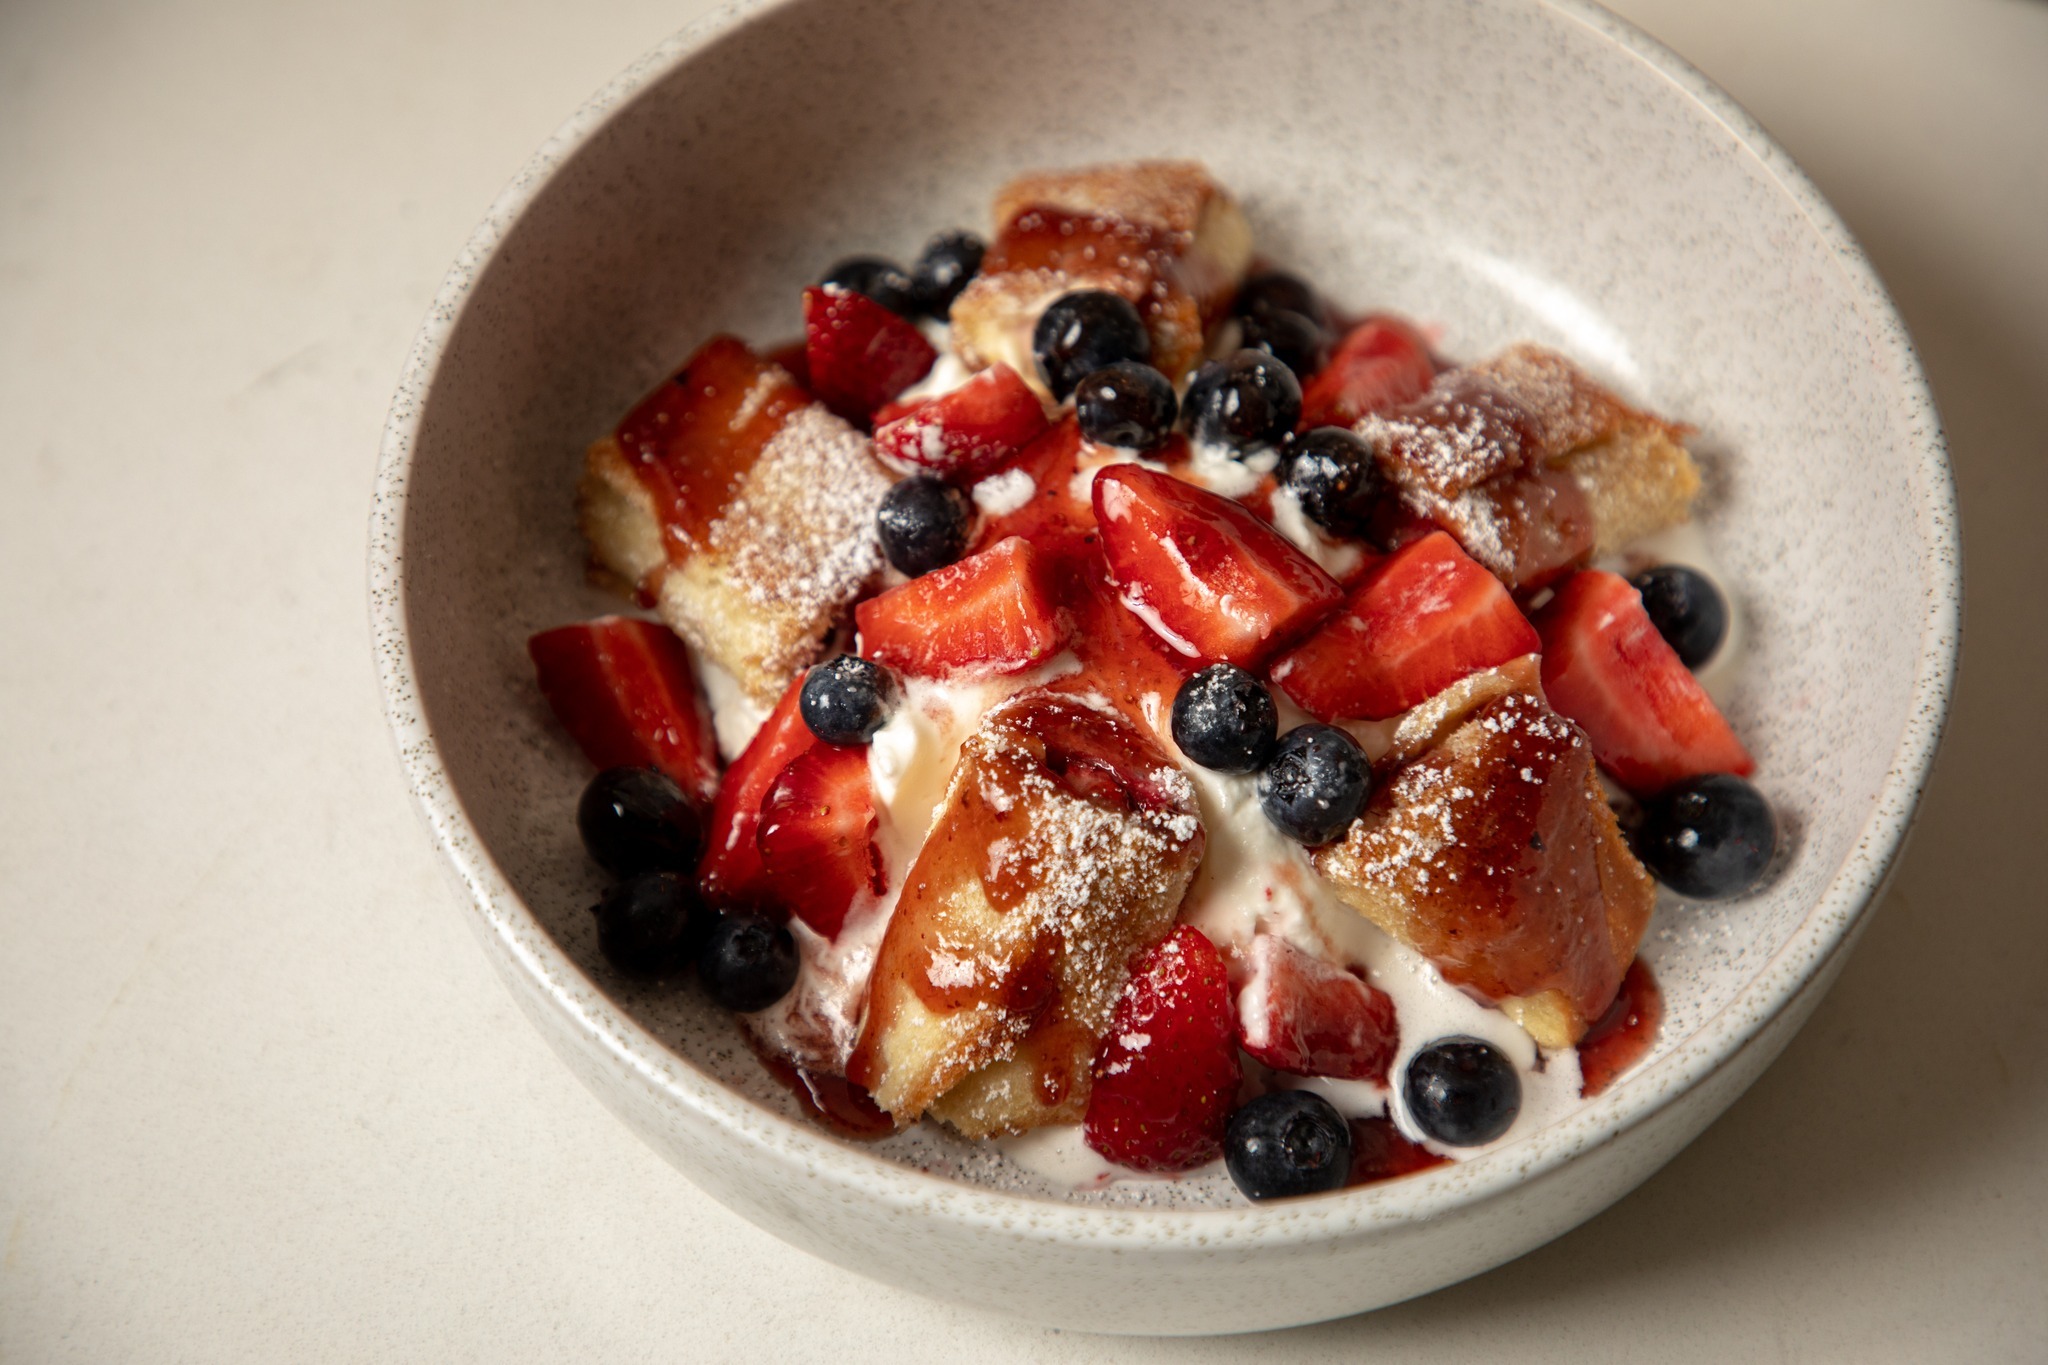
column 1079, row 333
column 1127, row 404
column 747, row 962
column 1686, row 608
column 1276, row 291
column 1334, row 479
column 649, row 926
column 1315, row 784
column 1224, row 720
column 949, row 261
column 1287, row 1143
column 636, row 820
column 1242, row 401
column 1462, row 1091
column 845, row 700
column 1292, row 338
column 883, row 281
column 1707, row 836
column 923, row 524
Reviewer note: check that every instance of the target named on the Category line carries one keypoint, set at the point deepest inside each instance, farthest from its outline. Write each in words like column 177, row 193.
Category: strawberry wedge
column 1606, row 667
column 817, row 836
column 1419, row 620
column 731, row 872
column 1211, row 579
column 1300, row 1014
column 857, row 353
column 624, row 691
column 1167, row 1076
column 964, row 434
column 1379, row 365
column 989, row 614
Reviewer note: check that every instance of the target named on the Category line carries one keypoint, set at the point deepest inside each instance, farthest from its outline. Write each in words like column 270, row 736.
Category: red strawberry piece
column 1381, row 364
column 1606, row 667
column 991, row 613
column 859, row 354
column 897, row 408
column 1167, row 1075
column 1420, row 619
column 1052, row 462
column 1122, row 661
column 624, row 691
column 1300, row 1014
column 1205, row 573
column 964, row 434
column 731, row 872
column 817, row 836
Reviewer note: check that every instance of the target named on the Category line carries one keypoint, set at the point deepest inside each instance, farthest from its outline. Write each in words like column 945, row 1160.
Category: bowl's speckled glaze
column 1497, row 170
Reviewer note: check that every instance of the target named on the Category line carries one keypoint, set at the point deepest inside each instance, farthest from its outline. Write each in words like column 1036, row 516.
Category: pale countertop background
column 262, row 1099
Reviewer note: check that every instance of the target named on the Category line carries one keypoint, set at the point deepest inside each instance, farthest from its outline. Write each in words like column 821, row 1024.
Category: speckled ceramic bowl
column 1503, row 169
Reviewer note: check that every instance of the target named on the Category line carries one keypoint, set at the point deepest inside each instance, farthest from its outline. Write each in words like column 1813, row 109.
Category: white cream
column 1338, row 557
column 735, row 717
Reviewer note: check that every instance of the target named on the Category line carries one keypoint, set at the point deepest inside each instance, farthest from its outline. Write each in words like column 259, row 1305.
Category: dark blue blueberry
column 949, row 261
column 883, row 281
column 1462, row 1091
column 1242, row 402
column 747, row 962
column 637, row 820
column 1315, row 784
column 1687, row 610
column 1127, row 404
column 1292, row 338
column 1079, row 333
column 1707, row 836
column 922, row 523
column 649, row 926
column 1334, row 479
column 1287, row 1143
column 1276, row 291
column 1224, row 720
column 845, row 700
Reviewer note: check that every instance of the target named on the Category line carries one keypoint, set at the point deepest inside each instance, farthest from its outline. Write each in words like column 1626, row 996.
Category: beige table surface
column 260, row 1096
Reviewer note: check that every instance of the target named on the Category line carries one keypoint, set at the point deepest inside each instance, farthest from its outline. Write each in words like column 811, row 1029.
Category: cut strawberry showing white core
column 966, row 433
column 1419, row 620
column 1606, row 667
column 1211, row 577
column 991, row 613
column 1300, row 1014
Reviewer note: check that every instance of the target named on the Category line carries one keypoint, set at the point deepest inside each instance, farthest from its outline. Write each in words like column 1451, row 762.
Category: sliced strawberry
column 964, row 434
column 817, row 836
column 1166, row 1078
column 897, row 408
column 1300, row 1014
column 859, row 354
column 989, row 614
column 1381, row 364
column 1052, row 462
column 1205, row 573
column 1420, row 619
column 1122, row 661
column 1606, row 667
column 624, row 691
column 731, row 872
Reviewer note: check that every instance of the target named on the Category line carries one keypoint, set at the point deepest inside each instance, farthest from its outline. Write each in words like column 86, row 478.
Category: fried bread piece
column 742, row 509
column 1162, row 234
column 1532, row 465
column 1493, row 853
column 1062, row 848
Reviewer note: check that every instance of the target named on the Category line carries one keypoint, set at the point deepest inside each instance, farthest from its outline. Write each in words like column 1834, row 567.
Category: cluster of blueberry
column 639, row 826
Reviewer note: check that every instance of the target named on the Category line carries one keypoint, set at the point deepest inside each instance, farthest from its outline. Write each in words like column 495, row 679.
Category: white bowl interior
column 1498, row 170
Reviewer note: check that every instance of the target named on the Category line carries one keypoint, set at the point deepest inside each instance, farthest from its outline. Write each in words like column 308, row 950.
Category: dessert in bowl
column 1825, row 507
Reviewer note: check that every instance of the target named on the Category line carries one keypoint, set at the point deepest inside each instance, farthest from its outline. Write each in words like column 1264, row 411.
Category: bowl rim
column 1828, row 926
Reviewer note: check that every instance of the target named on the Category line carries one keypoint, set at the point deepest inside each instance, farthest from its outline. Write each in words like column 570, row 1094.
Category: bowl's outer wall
column 1497, row 170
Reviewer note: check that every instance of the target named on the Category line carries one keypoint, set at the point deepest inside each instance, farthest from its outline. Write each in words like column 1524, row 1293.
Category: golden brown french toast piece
column 1493, row 853
column 1062, row 848
column 742, row 509
column 1163, row 234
